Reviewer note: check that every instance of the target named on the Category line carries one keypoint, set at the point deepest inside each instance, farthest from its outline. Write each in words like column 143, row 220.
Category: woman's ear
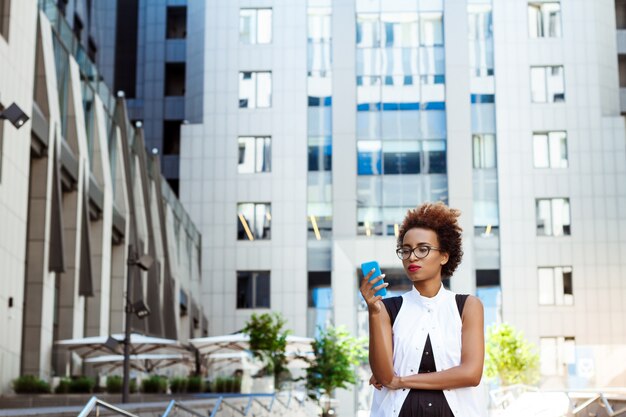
column 444, row 258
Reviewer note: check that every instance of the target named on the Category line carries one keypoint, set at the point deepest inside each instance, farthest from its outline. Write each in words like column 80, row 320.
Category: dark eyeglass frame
column 412, row 251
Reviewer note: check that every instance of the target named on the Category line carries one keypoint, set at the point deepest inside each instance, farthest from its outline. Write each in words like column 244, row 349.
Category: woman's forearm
column 380, row 347
column 457, row 377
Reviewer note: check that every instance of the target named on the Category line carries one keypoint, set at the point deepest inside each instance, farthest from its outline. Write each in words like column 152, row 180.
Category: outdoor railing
column 249, row 405
column 94, row 404
column 602, row 400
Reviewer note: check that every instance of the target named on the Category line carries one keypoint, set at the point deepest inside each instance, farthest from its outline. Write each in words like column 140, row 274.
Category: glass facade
column 319, row 130
column 401, row 112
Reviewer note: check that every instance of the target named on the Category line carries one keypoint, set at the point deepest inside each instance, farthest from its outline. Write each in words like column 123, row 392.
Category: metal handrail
column 604, row 402
column 176, row 404
column 94, row 402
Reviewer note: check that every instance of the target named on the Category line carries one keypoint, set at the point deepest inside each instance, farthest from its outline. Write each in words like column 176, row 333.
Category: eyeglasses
column 420, row 252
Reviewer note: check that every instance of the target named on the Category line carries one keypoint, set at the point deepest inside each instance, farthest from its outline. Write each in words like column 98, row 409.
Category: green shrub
column 155, row 384
column 114, row 384
column 178, row 385
column 63, row 387
column 82, row 385
column 226, row 384
column 195, row 384
column 30, row 384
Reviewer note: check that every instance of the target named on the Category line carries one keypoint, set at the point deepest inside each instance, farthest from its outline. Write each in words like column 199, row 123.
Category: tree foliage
column 337, row 353
column 509, row 357
column 268, row 342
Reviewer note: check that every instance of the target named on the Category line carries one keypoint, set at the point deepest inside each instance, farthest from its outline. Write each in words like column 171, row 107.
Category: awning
column 89, row 347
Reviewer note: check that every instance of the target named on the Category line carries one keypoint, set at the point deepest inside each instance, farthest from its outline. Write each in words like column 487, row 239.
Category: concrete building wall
column 17, row 46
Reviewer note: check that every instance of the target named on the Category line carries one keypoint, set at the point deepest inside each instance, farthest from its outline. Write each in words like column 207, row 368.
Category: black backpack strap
column 393, row 305
column 460, row 302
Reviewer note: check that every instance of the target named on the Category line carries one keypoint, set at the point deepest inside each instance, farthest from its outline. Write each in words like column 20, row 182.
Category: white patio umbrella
column 146, row 362
column 89, row 347
column 241, row 342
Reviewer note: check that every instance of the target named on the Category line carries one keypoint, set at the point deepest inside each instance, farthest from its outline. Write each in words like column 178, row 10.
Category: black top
column 421, row 402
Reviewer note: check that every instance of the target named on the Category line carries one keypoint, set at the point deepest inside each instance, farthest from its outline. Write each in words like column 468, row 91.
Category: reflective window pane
column 319, row 24
column 431, row 29
column 484, row 151
column 253, row 221
column 434, row 157
column 254, row 155
column 400, row 29
column 553, row 217
column 544, row 19
column 255, row 26
column 550, row 150
column 368, row 30
column 401, row 158
column 253, row 289
column 255, row 89
column 369, row 157
column 547, row 84
column 320, row 153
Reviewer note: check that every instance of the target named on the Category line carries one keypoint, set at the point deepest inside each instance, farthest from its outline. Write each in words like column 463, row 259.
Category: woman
column 426, row 347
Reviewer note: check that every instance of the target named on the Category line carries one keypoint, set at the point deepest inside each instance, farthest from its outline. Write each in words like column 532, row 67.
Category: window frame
column 549, row 135
column 559, row 296
column 538, row 7
column 566, row 227
column 545, row 92
column 254, row 277
column 255, row 80
column 256, row 140
column 251, row 224
column 254, row 37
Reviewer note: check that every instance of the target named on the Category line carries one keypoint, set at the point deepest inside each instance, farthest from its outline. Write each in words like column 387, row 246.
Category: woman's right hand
column 368, row 291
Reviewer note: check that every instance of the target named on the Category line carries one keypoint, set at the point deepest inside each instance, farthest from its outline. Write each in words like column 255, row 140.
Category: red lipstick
column 413, row 268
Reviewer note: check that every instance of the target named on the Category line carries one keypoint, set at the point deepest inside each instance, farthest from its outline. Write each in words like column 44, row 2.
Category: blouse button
column 430, row 404
column 426, row 353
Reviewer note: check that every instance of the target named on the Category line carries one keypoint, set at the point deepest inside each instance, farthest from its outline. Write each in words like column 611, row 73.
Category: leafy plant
column 268, row 342
column 114, row 384
column 178, row 385
column 154, row 384
column 337, row 354
column 224, row 384
column 63, row 387
column 194, row 384
column 509, row 357
column 30, row 384
column 82, row 385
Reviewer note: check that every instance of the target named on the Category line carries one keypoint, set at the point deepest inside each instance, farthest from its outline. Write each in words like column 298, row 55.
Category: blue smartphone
column 366, row 267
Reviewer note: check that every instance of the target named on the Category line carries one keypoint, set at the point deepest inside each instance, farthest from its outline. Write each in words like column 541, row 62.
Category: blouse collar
column 429, row 301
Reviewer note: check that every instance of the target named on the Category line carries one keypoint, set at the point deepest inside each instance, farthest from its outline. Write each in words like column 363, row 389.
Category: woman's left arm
column 469, row 372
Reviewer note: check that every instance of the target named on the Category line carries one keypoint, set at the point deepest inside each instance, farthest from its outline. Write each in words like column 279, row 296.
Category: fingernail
column 383, row 275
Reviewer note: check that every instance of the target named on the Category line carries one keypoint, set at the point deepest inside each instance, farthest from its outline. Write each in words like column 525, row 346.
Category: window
column 544, row 19
column 255, row 26
column 547, row 84
column 558, row 355
column 5, row 9
column 176, row 22
column 254, row 154
column 255, row 89
column 484, row 147
column 175, row 79
column 253, row 289
column 393, row 157
column 171, row 137
column 320, row 153
column 555, row 286
column 553, row 217
column 550, row 149
column 254, row 221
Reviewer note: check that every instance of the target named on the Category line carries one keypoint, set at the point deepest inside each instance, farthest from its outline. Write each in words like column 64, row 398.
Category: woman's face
column 422, row 264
